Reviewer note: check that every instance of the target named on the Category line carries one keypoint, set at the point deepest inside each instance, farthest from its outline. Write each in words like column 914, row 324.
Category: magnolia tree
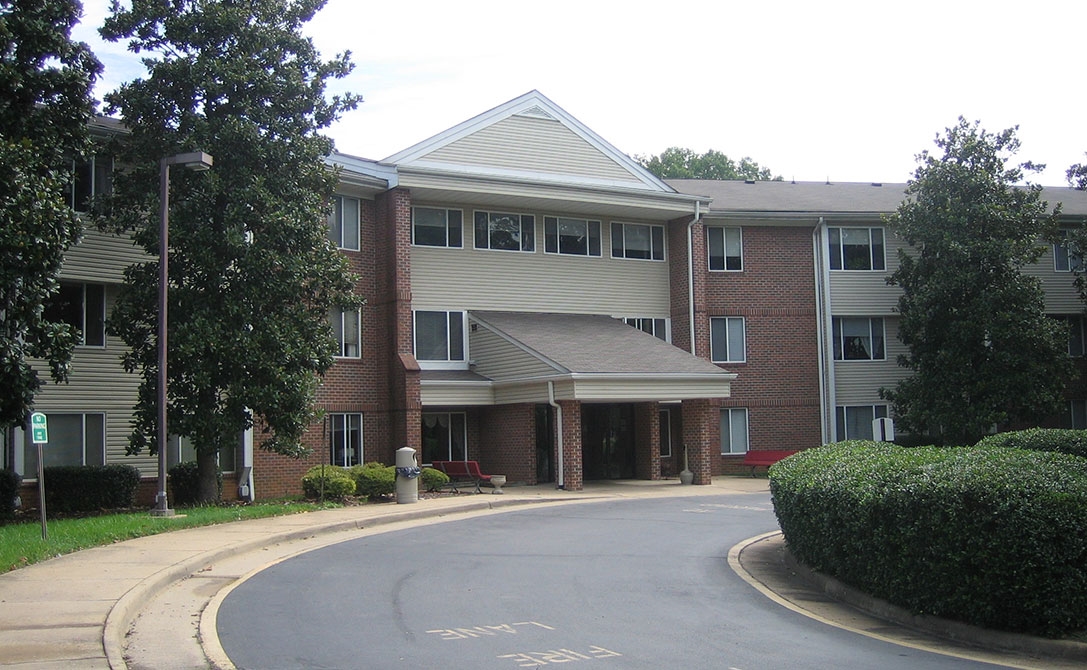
column 679, row 163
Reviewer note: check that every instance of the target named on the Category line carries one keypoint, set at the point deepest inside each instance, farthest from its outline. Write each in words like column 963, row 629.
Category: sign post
column 39, row 433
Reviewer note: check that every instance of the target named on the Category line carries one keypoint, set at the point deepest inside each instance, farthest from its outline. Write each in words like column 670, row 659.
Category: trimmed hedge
column 993, row 537
column 184, row 481
column 9, row 490
column 374, row 480
column 90, row 488
column 332, row 480
column 1041, row 439
column 433, row 480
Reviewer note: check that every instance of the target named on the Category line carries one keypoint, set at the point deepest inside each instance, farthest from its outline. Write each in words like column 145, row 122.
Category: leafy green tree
column 1077, row 176
column 981, row 348
column 45, row 105
column 253, row 276
column 678, row 163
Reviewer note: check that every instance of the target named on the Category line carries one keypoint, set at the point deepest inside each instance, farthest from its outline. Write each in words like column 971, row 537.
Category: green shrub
column 9, row 490
column 374, row 480
column 433, row 479
column 185, row 483
column 1041, row 439
column 992, row 537
column 331, row 480
column 90, row 488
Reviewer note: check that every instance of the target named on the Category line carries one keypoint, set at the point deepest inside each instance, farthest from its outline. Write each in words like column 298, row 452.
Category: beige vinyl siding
column 866, row 293
column 521, row 393
column 532, row 144
column 637, row 390
column 101, row 258
column 858, row 382
column 447, row 395
column 1061, row 296
column 500, row 359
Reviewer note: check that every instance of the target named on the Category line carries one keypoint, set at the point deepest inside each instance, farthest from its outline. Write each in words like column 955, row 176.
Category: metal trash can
column 407, row 471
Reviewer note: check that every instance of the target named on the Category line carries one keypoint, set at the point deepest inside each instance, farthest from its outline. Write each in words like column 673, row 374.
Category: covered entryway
column 607, row 441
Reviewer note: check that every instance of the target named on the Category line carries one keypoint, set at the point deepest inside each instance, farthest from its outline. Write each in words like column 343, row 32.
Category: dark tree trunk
column 207, row 465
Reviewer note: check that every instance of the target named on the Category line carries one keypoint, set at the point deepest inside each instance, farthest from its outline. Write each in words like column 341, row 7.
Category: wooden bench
column 765, row 457
column 462, row 472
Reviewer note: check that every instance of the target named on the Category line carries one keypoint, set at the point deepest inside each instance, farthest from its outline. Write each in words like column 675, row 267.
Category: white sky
column 839, row 89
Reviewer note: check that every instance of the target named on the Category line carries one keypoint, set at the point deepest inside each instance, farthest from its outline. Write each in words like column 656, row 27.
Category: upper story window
column 576, row 237
column 343, row 222
column 82, row 306
column 1077, row 334
column 857, row 249
column 440, row 336
column 505, row 232
column 636, row 240
column 1065, row 257
column 433, row 227
column 655, row 327
column 858, row 339
column 727, row 339
column 91, row 177
column 347, row 331
column 725, row 248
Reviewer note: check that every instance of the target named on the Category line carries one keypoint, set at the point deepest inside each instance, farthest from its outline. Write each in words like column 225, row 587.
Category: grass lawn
column 21, row 544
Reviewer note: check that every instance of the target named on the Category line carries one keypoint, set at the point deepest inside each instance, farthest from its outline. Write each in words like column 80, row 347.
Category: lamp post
column 197, row 161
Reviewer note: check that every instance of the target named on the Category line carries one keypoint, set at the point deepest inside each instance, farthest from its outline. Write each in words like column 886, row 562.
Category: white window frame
column 457, row 226
column 553, row 236
column 450, row 362
column 1066, row 259
column 97, row 174
column 619, row 237
column 665, row 419
column 841, row 420
column 181, row 450
column 30, row 454
column 841, row 246
column 840, row 338
column 449, row 445
column 81, row 327
column 717, row 236
column 730, row 356
column 339, row 319
column 731, row 412
column 526, row 230
column 350, row 421
column 337, row 219
column 659, row 328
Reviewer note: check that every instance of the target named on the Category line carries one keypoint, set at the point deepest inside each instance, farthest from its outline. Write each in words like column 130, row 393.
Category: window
column 345, row 439
column 727, row 339
column 734, row 430
column 575, row 237
column 1066, row 258
column 634, row 240
column 182, row 450
column 439, row 336
column 725, row 248
column 343, row 222
column 666, row 433
column 858, row 339
column 444, row 437
column 505, row 232
column 92, row 177
column 655, row 327
column 432, row 227
column 74, row 439
column 1076, row 416
column 83, row 307
column 856, row 249
column 1077, row 335
column 347, row 331
column 855, row 422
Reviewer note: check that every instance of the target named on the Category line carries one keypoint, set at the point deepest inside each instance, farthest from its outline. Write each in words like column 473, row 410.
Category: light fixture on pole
column 197, row 161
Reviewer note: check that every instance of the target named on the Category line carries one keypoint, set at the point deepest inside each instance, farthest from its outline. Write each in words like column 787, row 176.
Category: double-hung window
column 655, row 327
column 725, row 248
column 857, row 249
column 1066, row 258
column 734, row 430
column 343, row 222
column 727, row 339
column 574, row 237
column 858, row 339
column 434, row 227
column 74, row 439
column 182, row 450
column 83, row 307
column 445, row 436
column 1076, row 418
column 854, row 422
column 636, row 240
column 347, row 331
column 439, row 336
column 345, row 439
column 92, row 177
column 505, row 232
column 1077, row 334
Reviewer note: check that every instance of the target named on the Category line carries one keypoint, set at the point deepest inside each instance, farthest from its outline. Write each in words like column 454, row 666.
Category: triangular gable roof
column 529, row 137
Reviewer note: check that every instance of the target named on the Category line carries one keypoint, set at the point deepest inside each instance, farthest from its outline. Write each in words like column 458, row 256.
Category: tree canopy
column 45, row 103
column 679, row 163
column 253, row 276
column 981, row 348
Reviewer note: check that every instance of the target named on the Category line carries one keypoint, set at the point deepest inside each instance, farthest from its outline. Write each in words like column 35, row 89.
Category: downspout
column 558, row 423
column 690, row 272
column 824, row 332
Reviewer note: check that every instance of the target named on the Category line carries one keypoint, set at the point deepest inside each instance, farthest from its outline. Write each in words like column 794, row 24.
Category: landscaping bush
column 374, row 480
column 184, row 481
column 90, row 488
column 992, row 537
column 9, row 490
column 1041, row 439
column 433, row 480
column 332, row 480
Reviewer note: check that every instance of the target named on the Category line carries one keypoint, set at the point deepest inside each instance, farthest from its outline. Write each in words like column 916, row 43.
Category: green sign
column 39, row 428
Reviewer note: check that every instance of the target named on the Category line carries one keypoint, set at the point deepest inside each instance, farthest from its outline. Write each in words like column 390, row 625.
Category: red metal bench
column 462, row 472
column 765, row 457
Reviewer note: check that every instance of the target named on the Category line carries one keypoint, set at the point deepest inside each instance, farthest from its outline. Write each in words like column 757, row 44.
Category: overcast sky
column 839, row 90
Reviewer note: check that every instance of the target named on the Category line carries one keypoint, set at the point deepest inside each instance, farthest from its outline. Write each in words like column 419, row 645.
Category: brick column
column 647, row 451
column 700, row 426
column 678, row 281
column 572, row 471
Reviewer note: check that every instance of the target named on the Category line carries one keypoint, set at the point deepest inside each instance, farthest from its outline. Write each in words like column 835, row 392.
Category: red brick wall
column 507, row 435
column 700, row 436
column 647, row 461
column 572, row 470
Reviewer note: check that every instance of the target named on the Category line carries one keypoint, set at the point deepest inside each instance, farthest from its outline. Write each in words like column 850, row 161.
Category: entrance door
column 607, row 441
column 545, row 443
